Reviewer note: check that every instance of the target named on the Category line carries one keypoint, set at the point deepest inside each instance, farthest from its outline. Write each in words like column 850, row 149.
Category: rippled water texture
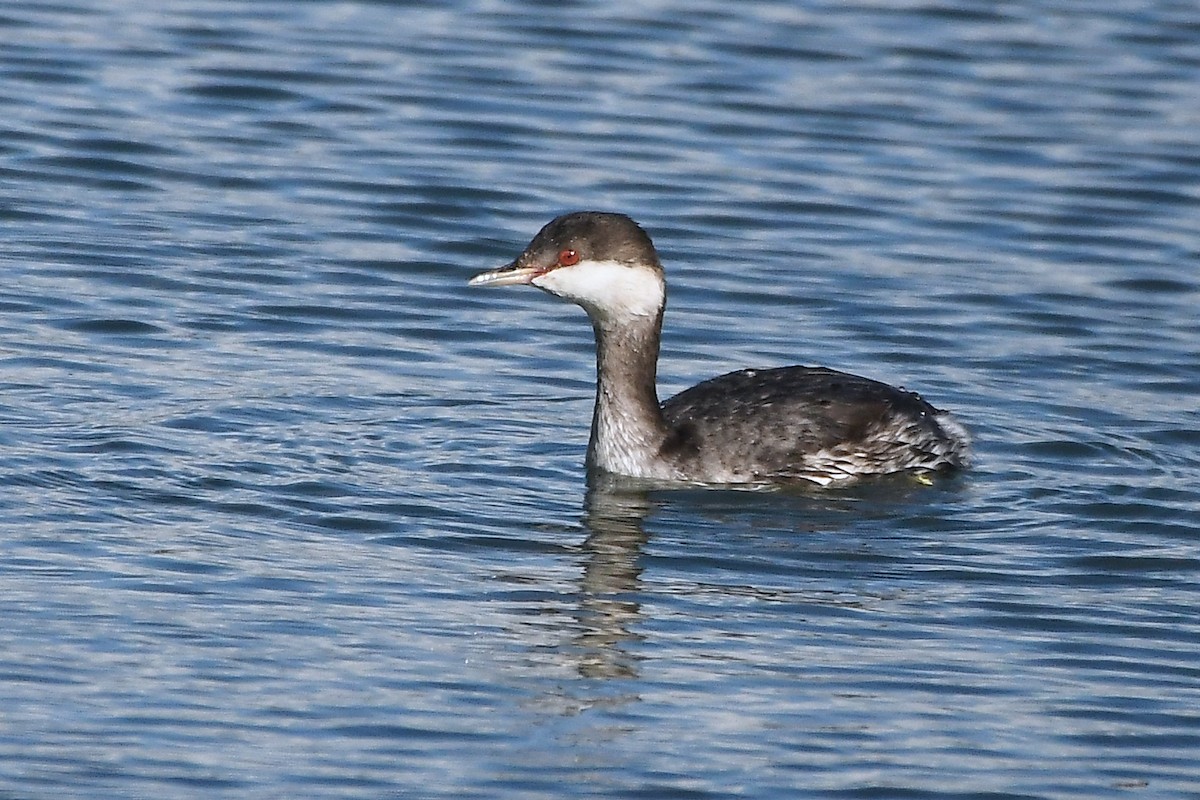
column 288, row 511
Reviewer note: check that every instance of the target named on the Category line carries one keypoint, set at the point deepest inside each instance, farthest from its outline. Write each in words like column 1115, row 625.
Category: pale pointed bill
column 510, row 275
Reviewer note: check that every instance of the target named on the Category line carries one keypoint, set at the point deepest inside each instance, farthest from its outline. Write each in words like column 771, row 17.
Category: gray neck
column 627, row 425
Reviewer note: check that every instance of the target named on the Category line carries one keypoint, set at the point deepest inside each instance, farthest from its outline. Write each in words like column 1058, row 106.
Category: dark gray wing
column 776, row 419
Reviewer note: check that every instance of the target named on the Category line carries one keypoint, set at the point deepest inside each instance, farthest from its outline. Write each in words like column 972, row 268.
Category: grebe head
column 604, row 262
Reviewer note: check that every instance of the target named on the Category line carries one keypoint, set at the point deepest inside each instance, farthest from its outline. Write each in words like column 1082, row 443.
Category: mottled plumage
column 787, row 424
column 809, row 423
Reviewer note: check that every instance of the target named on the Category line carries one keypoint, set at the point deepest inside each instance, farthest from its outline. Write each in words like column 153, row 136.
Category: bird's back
column 805, row 423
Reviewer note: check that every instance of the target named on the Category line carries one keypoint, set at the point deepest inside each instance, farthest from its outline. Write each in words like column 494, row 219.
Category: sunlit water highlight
column 288, row 511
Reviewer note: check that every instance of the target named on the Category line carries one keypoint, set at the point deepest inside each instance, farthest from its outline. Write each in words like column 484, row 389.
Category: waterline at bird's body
column 780, row 425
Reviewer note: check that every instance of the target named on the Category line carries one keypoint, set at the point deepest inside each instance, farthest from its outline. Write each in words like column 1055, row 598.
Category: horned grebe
column 782, row 425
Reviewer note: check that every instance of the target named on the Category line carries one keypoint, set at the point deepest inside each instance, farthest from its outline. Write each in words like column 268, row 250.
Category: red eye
column 568, row 258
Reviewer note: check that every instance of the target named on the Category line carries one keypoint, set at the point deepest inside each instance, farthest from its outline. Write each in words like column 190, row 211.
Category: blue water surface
column 288, row 511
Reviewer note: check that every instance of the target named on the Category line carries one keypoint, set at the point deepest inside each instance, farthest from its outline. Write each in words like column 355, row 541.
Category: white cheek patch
column 606, row 288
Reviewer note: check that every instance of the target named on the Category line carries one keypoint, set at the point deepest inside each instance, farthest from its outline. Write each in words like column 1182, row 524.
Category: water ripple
column 290, row 510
